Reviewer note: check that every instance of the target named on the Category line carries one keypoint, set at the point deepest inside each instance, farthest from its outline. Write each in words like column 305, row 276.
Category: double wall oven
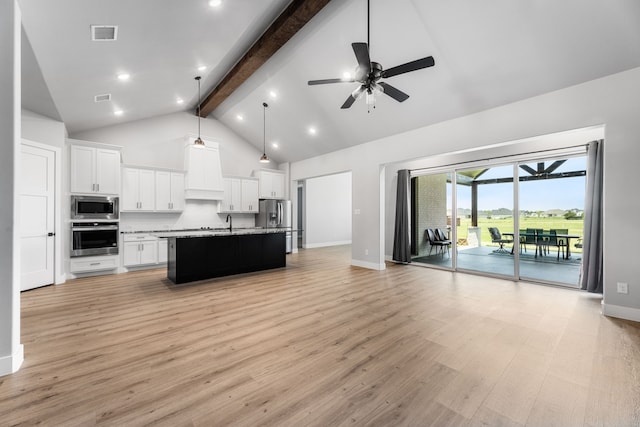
column 94, row 225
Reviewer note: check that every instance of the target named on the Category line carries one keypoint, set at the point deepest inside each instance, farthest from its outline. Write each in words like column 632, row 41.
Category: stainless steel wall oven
column 94, row 238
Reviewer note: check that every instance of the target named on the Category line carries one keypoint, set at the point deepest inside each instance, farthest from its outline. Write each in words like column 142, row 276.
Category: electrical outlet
column 366, row 251
column 623, row 288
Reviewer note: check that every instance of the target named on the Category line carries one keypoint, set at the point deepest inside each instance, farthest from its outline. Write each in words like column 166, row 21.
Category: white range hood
column 204, row 173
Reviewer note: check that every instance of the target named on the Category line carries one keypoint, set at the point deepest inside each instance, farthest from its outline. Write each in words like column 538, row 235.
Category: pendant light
column 264, row 158
column 198, row 141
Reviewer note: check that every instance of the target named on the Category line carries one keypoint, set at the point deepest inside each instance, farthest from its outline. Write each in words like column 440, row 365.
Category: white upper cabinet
column 271, row 184
column 95, row 170
column 138, row 189
column 250, row 195
column 169, row 191
column 204, row 173
column 240, row 195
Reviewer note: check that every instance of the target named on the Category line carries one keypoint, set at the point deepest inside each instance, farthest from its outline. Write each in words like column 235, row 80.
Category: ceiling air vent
column 102, row 98
column 102, row 33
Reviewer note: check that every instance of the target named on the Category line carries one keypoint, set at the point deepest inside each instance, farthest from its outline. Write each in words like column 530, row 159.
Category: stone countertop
column 216, row 232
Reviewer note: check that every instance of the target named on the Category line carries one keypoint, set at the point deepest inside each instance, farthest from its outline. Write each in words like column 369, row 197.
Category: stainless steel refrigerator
column 275, row 214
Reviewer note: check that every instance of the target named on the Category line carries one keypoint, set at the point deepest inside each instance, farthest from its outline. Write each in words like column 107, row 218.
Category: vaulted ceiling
column 487, row 54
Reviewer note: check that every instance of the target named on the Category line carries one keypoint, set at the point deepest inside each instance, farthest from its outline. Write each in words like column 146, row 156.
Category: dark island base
column 198, row 258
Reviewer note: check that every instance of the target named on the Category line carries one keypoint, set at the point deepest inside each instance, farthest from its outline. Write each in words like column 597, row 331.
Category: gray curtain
column 591, row 272
column 402, row 238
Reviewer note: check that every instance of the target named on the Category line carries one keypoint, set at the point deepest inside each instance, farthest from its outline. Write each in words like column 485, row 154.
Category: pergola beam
column 294, row 17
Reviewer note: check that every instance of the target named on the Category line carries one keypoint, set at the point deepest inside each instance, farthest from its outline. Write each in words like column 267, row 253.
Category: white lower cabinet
column 163, row 254
column 139, row 249
column 89, row 264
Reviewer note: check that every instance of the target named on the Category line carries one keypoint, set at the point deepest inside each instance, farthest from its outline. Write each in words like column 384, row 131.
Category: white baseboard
column 369, row 265
column 325, row 244
column 621, row 312
column 11, row 364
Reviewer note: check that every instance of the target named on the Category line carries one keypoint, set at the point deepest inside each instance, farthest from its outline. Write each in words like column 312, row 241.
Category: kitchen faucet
column 230, row 221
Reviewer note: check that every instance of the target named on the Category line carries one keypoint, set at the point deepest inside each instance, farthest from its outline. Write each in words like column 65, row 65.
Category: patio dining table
column 545, row 235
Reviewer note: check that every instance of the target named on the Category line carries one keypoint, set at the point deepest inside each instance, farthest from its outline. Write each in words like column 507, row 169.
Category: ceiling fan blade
column 362, row 55
column 418, row 64
column 327, row 81
column 349, row 102
column 396, row 94
column 354, row 95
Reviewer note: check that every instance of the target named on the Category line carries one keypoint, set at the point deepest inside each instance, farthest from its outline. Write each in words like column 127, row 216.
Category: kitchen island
column 199, row 255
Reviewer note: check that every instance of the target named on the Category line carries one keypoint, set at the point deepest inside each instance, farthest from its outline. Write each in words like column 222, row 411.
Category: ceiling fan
column 368, row 74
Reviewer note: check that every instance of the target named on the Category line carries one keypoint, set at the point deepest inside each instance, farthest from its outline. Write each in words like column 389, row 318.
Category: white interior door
column 37, row 192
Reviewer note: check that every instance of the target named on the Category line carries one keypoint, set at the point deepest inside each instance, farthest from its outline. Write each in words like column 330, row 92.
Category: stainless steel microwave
column 94, row 207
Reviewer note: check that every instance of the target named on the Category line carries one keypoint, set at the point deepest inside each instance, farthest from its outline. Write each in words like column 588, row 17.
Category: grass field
column 505, row 225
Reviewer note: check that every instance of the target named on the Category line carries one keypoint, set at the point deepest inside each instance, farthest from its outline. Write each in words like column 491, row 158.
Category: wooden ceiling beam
column 290, row 21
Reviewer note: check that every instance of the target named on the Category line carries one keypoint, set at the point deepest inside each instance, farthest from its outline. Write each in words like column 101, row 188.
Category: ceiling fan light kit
column 368, row 74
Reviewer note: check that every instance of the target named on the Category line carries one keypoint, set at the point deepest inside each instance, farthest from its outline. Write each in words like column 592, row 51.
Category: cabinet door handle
column 95, row 263
column 98, row 187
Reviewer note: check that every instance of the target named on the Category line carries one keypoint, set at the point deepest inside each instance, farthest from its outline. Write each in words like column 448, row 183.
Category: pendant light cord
column 264, row 128
column 198, row 78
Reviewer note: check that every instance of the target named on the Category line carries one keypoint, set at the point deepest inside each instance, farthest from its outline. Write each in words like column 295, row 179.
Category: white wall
column 43, row 129
column 11, row 351
column 328, row 210
column 613, row 101
column 159, row 142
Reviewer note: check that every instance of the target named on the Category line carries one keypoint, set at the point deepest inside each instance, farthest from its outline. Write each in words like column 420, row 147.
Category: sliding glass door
column 485, row 220
column 551, row 203
column 519, row 220
column 431, row 215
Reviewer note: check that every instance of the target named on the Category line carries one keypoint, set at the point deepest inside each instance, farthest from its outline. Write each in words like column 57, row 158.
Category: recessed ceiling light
column 215, row 3
column 124, row 76
column 180, row 101
column 346, row 76
column 118, row 113
column 273, row 94
column 240, row 117
column 202, row 68
column 275, row 145
column 312, row 131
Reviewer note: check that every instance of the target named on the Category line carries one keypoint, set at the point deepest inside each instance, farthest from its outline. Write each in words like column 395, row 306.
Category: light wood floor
column 321, row 343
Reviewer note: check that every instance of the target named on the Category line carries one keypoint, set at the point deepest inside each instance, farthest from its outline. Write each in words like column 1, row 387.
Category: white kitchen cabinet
column 94, row 170
column 204, row 173
column 250, row 195
column 169, row 191
column 240, row 195
column 138, row 190
column 163, row 254
column 271, row 184
column 139, row 249
column 89, row 264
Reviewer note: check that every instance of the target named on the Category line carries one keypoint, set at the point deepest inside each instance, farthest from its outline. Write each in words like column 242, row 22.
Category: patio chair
column 533, row 236
column 523, row 241
column 560, row 242
column 437, row 243
column 496, row 237
column 553, row 240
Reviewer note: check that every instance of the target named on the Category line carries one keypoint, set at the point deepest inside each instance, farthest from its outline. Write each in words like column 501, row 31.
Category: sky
column 542, row 195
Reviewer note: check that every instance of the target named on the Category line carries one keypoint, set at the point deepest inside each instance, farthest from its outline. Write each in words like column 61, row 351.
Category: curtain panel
column 402, row 238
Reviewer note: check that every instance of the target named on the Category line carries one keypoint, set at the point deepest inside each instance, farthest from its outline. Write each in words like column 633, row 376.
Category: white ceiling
column 487, row 53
